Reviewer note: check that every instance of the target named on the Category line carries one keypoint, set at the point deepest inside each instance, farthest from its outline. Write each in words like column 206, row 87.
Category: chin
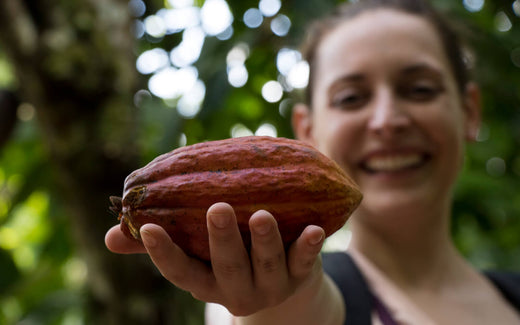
column 398, row 205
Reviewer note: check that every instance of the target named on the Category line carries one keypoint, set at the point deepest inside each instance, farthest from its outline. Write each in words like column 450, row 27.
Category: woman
column 388, row 100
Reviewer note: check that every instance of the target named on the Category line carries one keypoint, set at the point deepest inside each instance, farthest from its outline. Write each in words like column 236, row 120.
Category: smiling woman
column 392, row 104
column 396, row 104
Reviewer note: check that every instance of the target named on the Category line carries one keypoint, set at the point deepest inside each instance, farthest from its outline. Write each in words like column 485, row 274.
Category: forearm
column 318, row 303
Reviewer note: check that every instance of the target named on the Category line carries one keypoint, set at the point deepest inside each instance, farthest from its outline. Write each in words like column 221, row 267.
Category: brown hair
column 449, row 38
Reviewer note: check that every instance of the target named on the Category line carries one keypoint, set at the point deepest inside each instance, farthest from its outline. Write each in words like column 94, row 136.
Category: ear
column 302, row 123
column 472, row 109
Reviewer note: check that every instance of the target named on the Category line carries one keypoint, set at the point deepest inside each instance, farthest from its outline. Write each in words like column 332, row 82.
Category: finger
column 117, row 242
column 229, row 257
column 186, row 273
column 267, row 254
column 303, row 253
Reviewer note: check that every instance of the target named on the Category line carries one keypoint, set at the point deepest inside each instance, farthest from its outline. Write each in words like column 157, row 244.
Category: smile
column 394, row 162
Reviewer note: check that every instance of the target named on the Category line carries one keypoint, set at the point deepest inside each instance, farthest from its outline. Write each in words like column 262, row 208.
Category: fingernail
column 316, row 240
column 220, row 220
column 148, row 239
column 263, row 228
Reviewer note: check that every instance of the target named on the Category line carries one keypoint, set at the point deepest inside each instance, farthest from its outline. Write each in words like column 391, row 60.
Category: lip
column 394, row 161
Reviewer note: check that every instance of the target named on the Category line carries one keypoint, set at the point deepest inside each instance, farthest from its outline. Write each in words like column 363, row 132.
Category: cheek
column 338, row 136
column 455, row 143
column 450, row 129
column 446, row 130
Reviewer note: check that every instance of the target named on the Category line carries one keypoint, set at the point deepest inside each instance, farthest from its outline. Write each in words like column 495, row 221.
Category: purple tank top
column 383, row 313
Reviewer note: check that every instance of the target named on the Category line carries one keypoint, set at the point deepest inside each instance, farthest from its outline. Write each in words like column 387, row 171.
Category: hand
column 244, row 283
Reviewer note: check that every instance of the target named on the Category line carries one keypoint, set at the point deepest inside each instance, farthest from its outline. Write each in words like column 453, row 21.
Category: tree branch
column 17, row 29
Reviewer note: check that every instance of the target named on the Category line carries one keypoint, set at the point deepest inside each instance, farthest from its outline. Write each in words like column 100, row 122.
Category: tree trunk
column 75, row 64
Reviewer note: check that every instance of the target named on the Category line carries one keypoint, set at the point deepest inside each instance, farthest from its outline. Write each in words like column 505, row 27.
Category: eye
column 421, row 91
column 349, row 99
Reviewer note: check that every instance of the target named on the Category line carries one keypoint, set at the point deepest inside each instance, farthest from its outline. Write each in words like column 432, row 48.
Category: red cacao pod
column 289, row 178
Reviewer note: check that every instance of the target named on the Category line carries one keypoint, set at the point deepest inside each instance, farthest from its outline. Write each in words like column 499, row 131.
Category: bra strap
column 352, row 285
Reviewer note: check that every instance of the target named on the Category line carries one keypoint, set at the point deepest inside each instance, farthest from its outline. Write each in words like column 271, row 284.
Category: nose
column 387, row 115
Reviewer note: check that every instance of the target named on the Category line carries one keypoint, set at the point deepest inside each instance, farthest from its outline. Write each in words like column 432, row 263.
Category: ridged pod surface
column 289, row 178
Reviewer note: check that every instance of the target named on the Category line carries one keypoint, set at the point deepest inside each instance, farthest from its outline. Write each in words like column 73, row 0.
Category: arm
column 261, row 283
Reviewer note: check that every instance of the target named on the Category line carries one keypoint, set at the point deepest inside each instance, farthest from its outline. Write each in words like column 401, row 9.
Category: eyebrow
column 412, row 69
column 420, row 68
column 348, row 78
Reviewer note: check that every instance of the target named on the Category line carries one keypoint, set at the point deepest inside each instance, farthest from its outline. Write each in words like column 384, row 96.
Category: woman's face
column 386, row 107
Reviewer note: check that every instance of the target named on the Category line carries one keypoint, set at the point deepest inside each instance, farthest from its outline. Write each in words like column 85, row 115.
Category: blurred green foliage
column 42, row 278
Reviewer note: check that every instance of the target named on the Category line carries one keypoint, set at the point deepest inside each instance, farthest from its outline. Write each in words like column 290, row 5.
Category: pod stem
column 117, row 206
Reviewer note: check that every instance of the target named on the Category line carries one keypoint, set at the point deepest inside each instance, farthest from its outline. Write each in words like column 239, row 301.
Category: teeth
column 392, row 163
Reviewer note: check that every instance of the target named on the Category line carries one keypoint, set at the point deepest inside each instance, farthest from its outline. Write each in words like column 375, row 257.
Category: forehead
column 381, row 40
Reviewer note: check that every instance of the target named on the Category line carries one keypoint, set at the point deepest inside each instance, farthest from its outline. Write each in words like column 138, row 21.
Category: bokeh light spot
column 188, row 51
column 11, row 309
column 140, row 97
column 155, row 26
column 285, row 107
column 191, row 102
column 138, row 29
column 137, row 8
column 25, row 112
column 272, row 91
column 183, row 140
column 152, row 60
column 253, row 18
column 9, row 238
column 181, row 3
column 502, row 22
column 74, row 272
column 171, row 83
column 280, row 25
column 215, row 16
column 473, row 5
column 238, row 54
column 496, row 166
column 236, row 70
column 237, row 75
column 299, row 75
column 240, row 130
column 226, row 34
column 516, row 7
column 266, row 129
column 177, row 20
column 269, row 8
column 160, row 84
column 285, row 59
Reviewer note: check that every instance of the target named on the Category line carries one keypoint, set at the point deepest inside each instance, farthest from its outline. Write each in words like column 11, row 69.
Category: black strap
column 352, row 285
column 509, row 285
column 359, row 301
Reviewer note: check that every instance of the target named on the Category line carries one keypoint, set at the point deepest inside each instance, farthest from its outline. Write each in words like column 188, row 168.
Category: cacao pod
column 289, row 178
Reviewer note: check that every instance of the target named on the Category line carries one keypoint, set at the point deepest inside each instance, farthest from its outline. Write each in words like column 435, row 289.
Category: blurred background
column 93, row 89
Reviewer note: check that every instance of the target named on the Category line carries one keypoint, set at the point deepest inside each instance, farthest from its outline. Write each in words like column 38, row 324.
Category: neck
column 412, row 250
